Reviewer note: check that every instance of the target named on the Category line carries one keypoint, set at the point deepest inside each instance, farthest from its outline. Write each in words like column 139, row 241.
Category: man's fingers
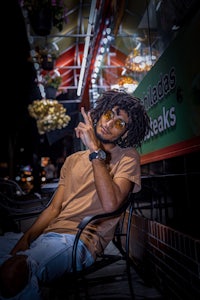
column 85, row 116
column 89, row 118
column 77, row 132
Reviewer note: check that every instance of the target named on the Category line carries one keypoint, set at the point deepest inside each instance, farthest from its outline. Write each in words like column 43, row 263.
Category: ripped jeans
column 49, row 256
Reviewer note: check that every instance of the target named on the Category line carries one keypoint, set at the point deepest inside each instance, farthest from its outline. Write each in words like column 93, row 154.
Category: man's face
column 112, row 125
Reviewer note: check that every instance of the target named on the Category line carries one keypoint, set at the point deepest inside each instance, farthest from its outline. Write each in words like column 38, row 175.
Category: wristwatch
column 99, row 154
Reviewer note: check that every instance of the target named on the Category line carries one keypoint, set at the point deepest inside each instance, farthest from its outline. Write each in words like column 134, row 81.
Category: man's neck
column 108, row 147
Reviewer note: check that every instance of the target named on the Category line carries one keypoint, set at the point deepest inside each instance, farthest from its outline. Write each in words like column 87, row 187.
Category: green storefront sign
column 171, row 93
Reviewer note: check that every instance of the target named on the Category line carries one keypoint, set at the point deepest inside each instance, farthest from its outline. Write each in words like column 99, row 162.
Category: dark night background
column 15, row 122
column 19, row 135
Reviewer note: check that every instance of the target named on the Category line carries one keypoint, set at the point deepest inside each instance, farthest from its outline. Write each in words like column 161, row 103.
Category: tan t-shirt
column 81, row 198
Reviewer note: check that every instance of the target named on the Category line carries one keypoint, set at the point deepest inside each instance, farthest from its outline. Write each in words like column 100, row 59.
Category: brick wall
column 167, row 258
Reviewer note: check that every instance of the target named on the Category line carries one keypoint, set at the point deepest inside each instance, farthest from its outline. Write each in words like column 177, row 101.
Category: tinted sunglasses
column 118, row 123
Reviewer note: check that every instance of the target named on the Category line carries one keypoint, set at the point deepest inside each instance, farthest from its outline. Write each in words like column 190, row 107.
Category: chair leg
column 128, row 262
column 81, row 285
column 118, row 243
column 129, row 276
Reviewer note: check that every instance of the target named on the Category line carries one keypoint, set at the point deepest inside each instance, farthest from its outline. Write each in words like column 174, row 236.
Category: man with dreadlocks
column 92, row 181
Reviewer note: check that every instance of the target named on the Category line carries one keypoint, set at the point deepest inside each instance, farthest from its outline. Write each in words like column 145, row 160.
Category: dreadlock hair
column 138, row 126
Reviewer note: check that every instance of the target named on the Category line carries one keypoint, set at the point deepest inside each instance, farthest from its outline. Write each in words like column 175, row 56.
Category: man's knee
column 14, row 275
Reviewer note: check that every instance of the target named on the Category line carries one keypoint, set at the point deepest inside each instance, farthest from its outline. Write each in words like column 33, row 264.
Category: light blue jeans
column 49, row 256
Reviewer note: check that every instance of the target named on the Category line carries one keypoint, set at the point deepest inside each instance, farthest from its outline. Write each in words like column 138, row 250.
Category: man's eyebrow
column 116, row 112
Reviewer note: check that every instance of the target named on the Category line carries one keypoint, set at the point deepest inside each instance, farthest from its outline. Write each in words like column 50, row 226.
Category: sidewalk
column 109, row 283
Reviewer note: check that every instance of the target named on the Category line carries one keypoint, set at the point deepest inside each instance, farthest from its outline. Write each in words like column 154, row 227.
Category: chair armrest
column 88, row 219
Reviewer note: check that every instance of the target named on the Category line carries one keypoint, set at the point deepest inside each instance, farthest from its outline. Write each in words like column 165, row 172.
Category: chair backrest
column 17, row 208
column 10, row 188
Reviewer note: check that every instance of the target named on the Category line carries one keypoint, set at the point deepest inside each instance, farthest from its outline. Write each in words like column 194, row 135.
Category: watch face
column 100, row 154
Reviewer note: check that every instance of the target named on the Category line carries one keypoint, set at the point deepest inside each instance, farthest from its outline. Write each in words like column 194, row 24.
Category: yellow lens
column 109, row 115
column 120, row 124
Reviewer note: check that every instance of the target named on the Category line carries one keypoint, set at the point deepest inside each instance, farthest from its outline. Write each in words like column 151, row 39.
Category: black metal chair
column 19, row 210
column 16, row 205
column 77, row 281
